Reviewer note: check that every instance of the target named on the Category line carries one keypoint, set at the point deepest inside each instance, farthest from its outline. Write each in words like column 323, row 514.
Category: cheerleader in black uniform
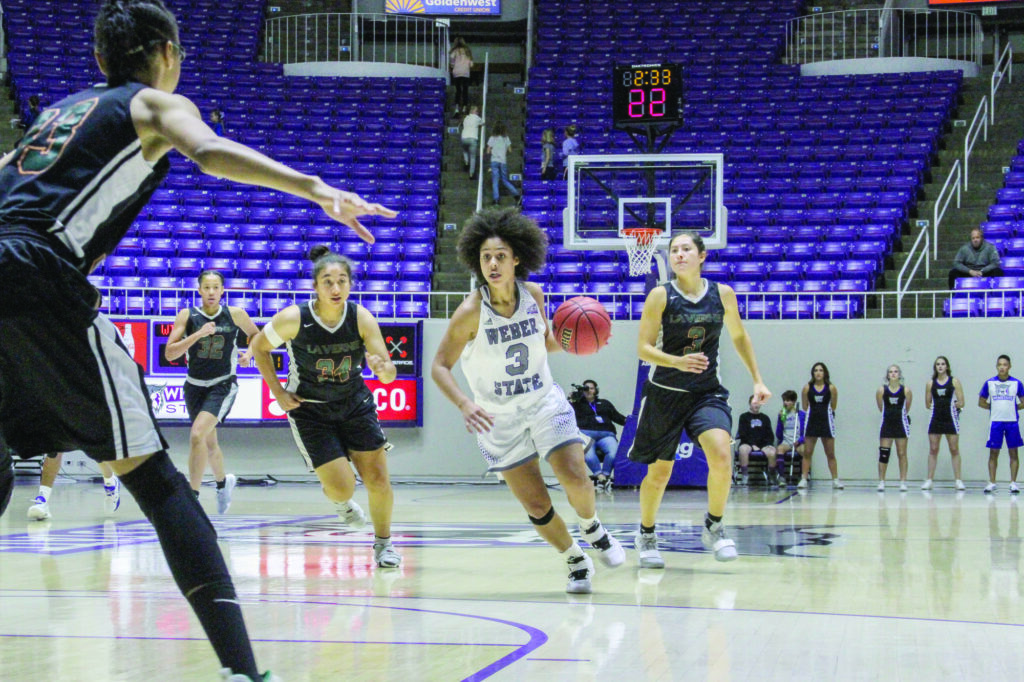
column 944, row 398
column 893, row 399
column 331, row 411
column 819, row 398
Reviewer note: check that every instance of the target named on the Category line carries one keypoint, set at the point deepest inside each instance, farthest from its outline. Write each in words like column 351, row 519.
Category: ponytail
column 125, row 34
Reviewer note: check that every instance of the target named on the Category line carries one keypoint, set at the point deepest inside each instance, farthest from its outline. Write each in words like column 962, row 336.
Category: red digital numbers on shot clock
column 647, row 94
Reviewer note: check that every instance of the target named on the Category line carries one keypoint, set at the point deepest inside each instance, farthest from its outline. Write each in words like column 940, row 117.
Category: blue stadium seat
column 839, row 309
column 192, row 248
column 961, row 307
column 161, row 247
column 154, row 266
column 185, row 267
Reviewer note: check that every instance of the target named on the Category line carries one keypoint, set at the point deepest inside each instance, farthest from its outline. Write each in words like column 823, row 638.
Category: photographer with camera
column 596, row 418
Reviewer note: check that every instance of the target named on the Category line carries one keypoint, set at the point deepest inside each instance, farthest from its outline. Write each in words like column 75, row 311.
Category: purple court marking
column 124, row 533
column 787, row 497
column 537, row 637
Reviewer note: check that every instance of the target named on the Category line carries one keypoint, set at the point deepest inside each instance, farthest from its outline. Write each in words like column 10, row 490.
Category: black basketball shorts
column 67, row 381
column 216, row 399
column 665, row 413
column 327, row 431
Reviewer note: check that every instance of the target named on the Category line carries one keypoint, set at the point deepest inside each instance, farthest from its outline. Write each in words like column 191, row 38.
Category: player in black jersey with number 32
column 684, row 392
column 209, row 334
column 68, row 193
column 332, row 413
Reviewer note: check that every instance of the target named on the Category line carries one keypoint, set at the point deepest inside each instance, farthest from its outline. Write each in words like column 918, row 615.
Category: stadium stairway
column 988, row 160
column 9, row 134
column 864, row 26
column 458, row 192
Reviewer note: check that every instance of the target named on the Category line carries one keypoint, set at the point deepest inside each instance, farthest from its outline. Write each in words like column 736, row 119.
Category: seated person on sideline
column 977, row 258
column 596, row 418
column 789, row 431
column 755, row 434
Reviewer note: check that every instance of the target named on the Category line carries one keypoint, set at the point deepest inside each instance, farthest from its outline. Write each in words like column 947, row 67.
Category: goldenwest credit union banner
column 490, row 8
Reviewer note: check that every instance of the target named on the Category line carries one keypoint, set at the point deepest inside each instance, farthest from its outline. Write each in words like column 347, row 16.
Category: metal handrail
column 972, row 135
column 480, row 132
column 901, row 290
column 942, row 200
column 998, row 73
column 357, row 37
column 442, row 304
column 884, row 32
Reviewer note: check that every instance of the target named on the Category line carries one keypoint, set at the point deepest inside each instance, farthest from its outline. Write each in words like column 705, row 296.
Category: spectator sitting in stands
column 977, row 258
column 789, row 431
column 33, row 107
column 755, row 434
column 217, row 121
column 570, row 146
column 596, row 418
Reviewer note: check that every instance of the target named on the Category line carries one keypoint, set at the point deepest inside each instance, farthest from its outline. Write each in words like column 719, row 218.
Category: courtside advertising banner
column 398, row 403
column 485, row 8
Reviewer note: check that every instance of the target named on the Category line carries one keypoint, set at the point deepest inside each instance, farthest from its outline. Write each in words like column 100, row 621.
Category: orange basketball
column 582, row 325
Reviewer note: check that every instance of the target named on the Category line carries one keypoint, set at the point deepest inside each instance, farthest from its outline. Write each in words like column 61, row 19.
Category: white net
column 640, row 245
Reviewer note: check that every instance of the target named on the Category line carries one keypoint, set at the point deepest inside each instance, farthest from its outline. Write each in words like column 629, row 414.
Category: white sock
column 586, row 524
column 572, row 552
column 344, row 506
column 110, row 482
column 44, row 491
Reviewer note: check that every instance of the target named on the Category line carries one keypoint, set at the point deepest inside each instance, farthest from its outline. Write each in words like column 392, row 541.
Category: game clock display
column 647, row 94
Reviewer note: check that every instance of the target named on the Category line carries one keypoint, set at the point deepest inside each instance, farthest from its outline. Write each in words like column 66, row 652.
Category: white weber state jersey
column 507, row 363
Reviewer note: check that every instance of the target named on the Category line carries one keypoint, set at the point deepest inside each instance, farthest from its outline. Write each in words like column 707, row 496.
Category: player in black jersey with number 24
column 68, row 193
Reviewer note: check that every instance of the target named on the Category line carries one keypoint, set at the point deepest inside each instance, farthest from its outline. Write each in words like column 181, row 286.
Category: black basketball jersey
column 943, row 399
column 691, row 327
column 893, row 402
column 326, row 363
column 78, row 176
column 213, row 358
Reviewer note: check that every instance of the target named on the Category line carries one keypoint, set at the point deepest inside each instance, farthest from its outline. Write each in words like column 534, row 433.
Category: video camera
column 579, row 393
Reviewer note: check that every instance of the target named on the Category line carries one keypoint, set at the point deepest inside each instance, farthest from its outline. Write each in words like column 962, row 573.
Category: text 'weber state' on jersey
column 507, row 362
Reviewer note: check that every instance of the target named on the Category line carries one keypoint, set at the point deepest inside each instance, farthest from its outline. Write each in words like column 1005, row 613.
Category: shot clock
column 647, row 94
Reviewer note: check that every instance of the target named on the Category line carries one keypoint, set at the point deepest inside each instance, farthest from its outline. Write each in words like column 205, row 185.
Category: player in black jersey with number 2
column 683, row 391
column 332, row 413
column 209, row 334
column 68, row 193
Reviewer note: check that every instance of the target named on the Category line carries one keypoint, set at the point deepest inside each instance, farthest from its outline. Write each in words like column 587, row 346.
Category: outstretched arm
column 164, row 121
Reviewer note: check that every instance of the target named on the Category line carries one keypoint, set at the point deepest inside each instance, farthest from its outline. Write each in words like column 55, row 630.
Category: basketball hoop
column 640, row 245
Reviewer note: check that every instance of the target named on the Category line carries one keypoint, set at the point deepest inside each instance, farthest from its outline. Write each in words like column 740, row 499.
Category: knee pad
column 883, row 455
column 154, row 481
column 544, row 520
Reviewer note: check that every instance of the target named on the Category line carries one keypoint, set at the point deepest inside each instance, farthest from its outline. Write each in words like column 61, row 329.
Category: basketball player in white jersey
column 518, row 413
